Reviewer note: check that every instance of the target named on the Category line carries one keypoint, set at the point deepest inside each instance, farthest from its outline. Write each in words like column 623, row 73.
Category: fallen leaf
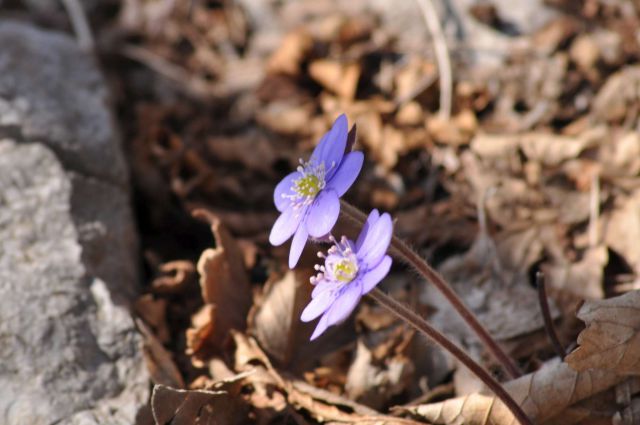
column 225, row 287
column 373, row 382
column 542, row 395
column 293, row 49
column 581, row 278
column 275, row 322
column 470, row 410
column 621, row 229
column 221, row 406
column 175, row 276
column 159, row 361
column 337, row 77
column 611, row 340
column 153, row 312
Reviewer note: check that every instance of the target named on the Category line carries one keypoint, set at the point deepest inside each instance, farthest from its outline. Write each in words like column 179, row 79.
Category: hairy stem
column 402, row 251
column 417, row 322
column 546, row 316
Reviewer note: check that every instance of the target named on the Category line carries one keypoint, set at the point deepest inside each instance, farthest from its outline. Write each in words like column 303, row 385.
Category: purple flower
column 309, row 197
column 349, row 272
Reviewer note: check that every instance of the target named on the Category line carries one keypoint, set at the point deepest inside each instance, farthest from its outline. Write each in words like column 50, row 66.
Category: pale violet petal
column 331, row 148
column 297, row 245
column 285, row 226
column 376, row 242
column 344, row 304
column 373, row 217
column 373, row 276
column 318, row 305
column 320, row 327
column 347, row 173
column 323, row 213
column 284, row 188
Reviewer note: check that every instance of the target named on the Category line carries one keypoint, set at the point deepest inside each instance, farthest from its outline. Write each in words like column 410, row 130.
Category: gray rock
column 69, row 351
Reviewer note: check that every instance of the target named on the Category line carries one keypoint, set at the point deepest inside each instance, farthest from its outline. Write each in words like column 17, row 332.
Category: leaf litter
column 538, row 169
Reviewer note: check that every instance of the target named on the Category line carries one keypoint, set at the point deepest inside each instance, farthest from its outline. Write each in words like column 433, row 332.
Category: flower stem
column 546, row 316
column 402, row 251
column 421, row 325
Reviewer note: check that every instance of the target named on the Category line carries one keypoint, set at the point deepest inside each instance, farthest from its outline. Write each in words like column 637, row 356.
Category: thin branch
column 401, row 251
column 80, row 24
column 189, row 84
column 546, row 315
column 594, row 209
column 442, row 56
column 417, row 322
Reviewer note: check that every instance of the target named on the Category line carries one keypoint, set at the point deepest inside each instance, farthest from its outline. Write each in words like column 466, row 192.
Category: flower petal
column 297, row 245
column 285, row 226
column 344, row 304
column 323, row 213
column 322, row 326
column 331, row 147
column 374, row 215
column 376, row 241
column 284, row 188
column 318, row 305
column 373, row 276
column 347, row 173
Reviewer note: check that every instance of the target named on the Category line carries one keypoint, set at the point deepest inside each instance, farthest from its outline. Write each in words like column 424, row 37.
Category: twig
column 594, row 209
column 442, row 56
column 187, row 83
column 400, row 250
column 417, row 322
column 80, row 24
column 546, row 315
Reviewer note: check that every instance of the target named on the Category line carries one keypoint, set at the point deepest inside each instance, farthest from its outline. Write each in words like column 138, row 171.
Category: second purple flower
column 349, row 272
column 308, row 198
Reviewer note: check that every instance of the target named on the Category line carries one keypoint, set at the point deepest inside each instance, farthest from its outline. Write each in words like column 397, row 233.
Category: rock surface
column 68, row 247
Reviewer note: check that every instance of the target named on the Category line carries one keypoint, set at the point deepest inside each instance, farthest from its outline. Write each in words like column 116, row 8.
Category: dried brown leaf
column 611, row 340
column 219, row 405
column 373, row 384
column 292, row 51
column 153, row 312
column 275, row 322
column 622, row 228
column 542, row 395
column 582, row 278
column 158, row 360
column 337, row 77
column 469, row 410
column 272, row 391
column 224, row 282
column 175, row 276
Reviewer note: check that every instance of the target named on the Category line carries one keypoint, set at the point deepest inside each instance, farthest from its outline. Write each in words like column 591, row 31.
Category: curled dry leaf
column 225, row 287
column 611, row 340
column 272, row 392
column 174, row 277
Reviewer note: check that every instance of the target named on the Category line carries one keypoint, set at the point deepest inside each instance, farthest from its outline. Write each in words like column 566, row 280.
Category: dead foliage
column 538, row 169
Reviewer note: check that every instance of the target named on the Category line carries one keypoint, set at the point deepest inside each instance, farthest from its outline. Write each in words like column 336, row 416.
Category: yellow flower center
column 345, row 270
column 307, row 186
